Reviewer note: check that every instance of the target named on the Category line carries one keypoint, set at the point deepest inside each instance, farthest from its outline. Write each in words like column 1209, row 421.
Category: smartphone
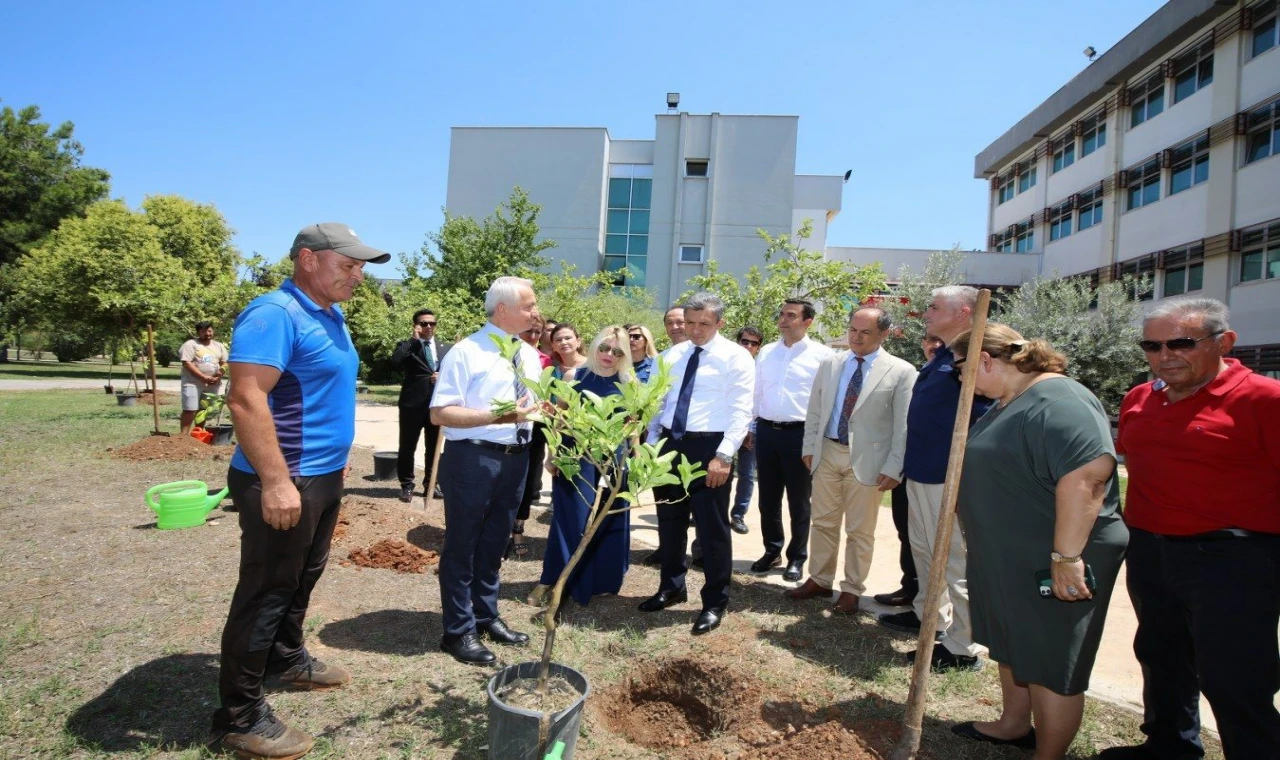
column 1044, row 579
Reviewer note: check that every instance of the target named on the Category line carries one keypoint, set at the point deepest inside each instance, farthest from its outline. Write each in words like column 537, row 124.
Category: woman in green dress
column 1039, row 499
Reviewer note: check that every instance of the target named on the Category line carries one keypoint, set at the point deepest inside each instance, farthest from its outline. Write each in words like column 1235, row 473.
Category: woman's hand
column 551, row 467
column 1069, row 577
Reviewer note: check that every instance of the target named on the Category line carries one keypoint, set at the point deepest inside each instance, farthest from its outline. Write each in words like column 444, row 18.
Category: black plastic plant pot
column 126, row 399
column 513, row 732
column 221, row 434
column 384, row 464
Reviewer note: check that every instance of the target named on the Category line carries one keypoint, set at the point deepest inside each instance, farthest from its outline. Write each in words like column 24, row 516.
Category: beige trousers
column 838, row 498
column 924, row 502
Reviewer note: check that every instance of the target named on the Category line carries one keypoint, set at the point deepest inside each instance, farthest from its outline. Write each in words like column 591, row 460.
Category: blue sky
column 285, row 113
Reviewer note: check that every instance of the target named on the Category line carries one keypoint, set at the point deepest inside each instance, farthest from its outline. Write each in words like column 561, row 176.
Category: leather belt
column 780, row 425
column 505, row 448
column 666, row 433
column 836, row 440
column 1226, row 534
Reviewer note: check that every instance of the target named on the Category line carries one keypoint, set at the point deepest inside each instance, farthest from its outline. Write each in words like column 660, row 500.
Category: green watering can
column 183, row 504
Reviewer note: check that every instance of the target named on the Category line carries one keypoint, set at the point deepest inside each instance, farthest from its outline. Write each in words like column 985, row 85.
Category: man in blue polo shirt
column 293, row 401
column 930, row 419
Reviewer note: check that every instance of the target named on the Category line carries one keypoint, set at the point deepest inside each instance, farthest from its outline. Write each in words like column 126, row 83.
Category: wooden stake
column 909, row 743
column 155, row 392
column 435, row 468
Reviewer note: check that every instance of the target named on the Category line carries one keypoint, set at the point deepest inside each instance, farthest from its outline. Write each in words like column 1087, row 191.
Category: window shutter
column 1166, row 68
column 1125, row 97
column 1235, row 241
column 1074, row 200
column 1246, row 18
column 1242, row 123
column 1166, row 158
column 1122, row 178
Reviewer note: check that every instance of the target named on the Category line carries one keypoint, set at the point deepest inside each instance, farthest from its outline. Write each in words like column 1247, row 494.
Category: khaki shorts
column 191, row 395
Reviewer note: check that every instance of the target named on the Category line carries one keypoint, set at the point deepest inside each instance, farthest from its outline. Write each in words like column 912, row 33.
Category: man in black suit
column 419, row 358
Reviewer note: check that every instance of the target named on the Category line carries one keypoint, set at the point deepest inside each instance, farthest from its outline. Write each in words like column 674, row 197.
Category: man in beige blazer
column 855, row 435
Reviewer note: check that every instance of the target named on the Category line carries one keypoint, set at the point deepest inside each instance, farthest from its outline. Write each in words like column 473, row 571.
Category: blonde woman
column 642, row 351
column 607, row 367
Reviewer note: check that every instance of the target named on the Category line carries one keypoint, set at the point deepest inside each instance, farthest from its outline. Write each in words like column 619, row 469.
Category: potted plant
column 213, row 405
column 604, row 432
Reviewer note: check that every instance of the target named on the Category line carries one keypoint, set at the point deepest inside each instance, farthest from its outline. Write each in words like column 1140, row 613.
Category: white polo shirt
column 473, row 374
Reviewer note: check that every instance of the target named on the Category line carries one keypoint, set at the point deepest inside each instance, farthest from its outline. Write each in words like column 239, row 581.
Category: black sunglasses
column 637, row 336
column 1177, row 344
column 426, row 324
column 748, row 342
column 617, row 352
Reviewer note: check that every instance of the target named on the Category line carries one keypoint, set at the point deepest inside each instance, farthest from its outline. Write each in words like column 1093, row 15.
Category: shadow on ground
column 165, row 702
column 400, row 632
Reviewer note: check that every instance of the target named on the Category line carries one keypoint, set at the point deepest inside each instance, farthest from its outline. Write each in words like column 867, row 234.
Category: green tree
column 41, row 179
column 791, row 271
column 590, row 301
column 199, row 238
column 907, row 302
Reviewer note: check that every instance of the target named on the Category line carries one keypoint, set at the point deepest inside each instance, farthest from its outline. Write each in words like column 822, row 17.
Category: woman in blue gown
column 602, row 567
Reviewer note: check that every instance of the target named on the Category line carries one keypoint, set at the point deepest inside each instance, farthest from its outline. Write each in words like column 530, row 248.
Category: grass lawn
column 109, row 640
column 32, row 370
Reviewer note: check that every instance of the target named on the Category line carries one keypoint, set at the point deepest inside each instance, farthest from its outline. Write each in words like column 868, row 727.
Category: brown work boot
column 847, row 604
column 808, row 590
column 268, row 739
column 314, row 674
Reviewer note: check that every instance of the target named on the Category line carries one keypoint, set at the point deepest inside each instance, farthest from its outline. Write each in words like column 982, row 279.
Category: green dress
column 1012, row 464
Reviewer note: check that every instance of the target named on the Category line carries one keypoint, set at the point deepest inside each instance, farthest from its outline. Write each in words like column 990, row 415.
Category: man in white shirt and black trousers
column 704, row 416
column 482, row 467
column 784, row 377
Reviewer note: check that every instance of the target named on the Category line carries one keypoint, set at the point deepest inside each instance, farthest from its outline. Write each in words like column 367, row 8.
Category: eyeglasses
column 748, row 342
column 426, row 324
column 617, row 352
column 1177, row 344
column 637, row 336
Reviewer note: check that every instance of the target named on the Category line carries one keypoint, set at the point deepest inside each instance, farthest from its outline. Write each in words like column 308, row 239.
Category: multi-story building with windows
column 662, row 208
column 1159, row 159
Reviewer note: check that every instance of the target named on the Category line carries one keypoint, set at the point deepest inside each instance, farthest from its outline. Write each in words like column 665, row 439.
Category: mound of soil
column 174, row 448
column 164, row 399
column 394, row 554
column 827, row 740
column 364, row 521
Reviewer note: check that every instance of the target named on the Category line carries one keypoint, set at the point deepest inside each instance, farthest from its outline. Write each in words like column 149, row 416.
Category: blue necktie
column 681, row 418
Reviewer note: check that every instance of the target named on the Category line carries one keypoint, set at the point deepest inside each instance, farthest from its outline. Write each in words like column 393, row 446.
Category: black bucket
column 384, row 464
column 513, row 733
column 221, row 434
column 126, row 399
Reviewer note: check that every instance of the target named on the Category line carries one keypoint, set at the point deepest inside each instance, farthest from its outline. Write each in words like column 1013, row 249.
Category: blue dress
column 644, row 369
column 602, row 567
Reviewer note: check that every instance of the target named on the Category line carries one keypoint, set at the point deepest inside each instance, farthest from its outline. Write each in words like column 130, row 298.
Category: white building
column 664, row 208
column 1159, row 158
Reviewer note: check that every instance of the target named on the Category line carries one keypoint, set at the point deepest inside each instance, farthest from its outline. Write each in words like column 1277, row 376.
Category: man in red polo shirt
column 1202, row 446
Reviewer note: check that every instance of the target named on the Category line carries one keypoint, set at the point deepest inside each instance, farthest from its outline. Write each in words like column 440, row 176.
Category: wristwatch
column 1056, row 557
column 724, row 458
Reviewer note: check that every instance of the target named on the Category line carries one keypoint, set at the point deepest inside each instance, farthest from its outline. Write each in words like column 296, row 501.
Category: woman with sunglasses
column 642, row 351
column 566, row 348
column 1040, row 507
column 604, row 564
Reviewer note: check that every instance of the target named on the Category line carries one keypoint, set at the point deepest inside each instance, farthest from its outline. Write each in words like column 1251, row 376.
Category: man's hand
column 281, row 505
column 717, row 473
column 525, row 407
column 749, row 442
column 886, row 483
column 808, row 462
column 417, row 332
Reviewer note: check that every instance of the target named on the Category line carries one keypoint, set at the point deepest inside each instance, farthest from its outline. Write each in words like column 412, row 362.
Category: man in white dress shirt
column 483, row 467
column 704, row 416
column 784, row 376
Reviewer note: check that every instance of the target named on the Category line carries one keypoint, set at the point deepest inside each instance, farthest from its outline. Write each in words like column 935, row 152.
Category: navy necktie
column 522, row 434
column 850, row 401
column 681, row 418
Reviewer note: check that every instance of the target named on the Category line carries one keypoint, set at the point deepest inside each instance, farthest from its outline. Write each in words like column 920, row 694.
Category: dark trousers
column 710, row 510
column 1207, row 614
column 898, row 497
column 746, row 481
column 533, row 479
column 278, row 569
column 778, row 468
column 482, row 490
column 414, row 421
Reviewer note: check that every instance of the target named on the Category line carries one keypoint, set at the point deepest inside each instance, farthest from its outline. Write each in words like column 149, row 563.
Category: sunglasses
column 748, row 342
column 1177, row 344
column 617, row 352
column 426, row 324
column 637, row 336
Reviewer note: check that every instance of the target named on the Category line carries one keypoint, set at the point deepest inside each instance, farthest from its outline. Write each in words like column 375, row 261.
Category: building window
column 1146, row 101
column 1004, row 190
column 1263, row 133
column 1192, row 72
column 1144, row 185
column 1027, row 180
column 1181, row 280
column 1142, row 270
column 695, row 167
column 1089, row 209
column 1026, row 241
column 1060, row 221
column 1260, row 253
column 1093, row 134
column 1264, row 34
column 626, row 239
column 1190, row 162
column 1065, row 155
column 1004, row 241
column 690, row 254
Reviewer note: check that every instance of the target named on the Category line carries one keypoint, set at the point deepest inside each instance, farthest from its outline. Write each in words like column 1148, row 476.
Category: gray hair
column 963, row 295
column 1214, row 312
column 705, row 300
column 504, row 290
column 883, row 320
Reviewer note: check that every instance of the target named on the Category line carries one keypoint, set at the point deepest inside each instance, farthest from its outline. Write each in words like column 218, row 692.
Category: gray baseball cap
column 337, row 237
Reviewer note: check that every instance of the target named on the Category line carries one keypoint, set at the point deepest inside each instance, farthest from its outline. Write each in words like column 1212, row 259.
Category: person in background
column 567, row 349
column 673, row 324
column 642, row 351
column 544, row 345
column 533, row 336
column 1039, row 500
column 419, row 359
column 517, row 546
column 204, row 364
column 751, row 339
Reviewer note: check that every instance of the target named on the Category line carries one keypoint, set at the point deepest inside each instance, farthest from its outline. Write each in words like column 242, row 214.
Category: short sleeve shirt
column 474, row 374
column 313, row 404
column 207, row 358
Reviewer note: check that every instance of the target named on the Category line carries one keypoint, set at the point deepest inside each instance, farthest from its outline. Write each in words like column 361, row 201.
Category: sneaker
column 944, row 659
column 268, row 739
column 314, row 674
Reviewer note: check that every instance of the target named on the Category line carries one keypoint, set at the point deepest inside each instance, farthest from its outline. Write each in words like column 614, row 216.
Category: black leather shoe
column 708, row 620
column 943, row 659
column 406, row 494
column 437, row 493
column 766, row 563
column 970, row 731
column 653, row 560
column 499, row 632
column 794, row 571
column 903, row 597
column 903, row 622
column 467, row 649
column 739, row 525
column 663, row 600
